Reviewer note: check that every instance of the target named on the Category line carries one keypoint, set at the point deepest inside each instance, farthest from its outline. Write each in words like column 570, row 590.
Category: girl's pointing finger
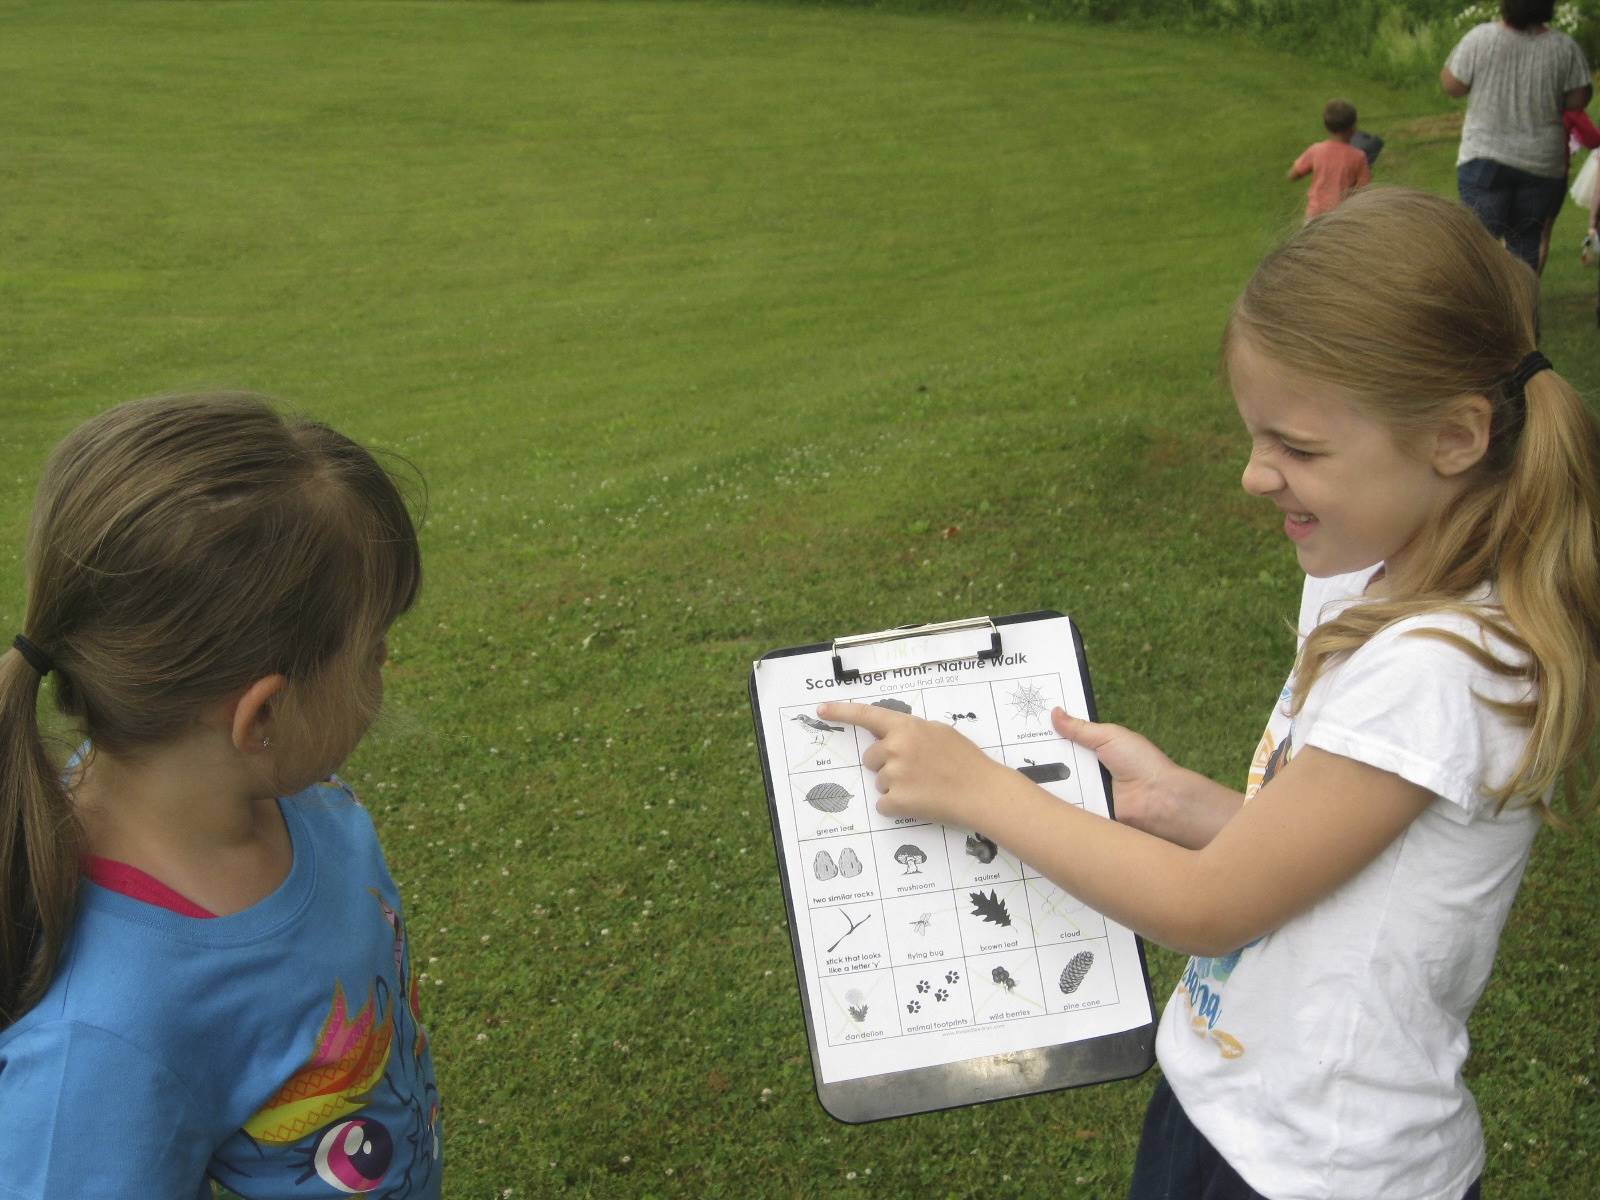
column 876, row 721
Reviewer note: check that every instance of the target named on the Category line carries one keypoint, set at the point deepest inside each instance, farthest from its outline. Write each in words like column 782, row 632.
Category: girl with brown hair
column 204, row 973
column 1440, row 483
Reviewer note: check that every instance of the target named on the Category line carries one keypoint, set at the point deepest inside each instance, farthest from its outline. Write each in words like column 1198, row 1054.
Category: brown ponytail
column 39, row 842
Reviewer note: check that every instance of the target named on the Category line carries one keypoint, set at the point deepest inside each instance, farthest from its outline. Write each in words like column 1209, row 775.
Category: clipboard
column 982, row 981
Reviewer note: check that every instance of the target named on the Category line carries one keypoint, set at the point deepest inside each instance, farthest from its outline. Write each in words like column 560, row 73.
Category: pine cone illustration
column 1072, row 975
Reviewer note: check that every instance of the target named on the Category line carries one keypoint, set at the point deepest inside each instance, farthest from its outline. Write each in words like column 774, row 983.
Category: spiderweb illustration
column 1027, row 701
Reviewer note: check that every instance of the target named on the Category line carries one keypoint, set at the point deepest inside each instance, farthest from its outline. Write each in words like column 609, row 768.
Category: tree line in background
column 1397, row 41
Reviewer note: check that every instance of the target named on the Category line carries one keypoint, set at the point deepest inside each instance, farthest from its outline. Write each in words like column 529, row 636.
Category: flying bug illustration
column 819, row 726
column 921, row 923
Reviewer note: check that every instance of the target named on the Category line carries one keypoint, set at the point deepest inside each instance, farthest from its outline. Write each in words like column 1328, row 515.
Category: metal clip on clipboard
column 915, row 646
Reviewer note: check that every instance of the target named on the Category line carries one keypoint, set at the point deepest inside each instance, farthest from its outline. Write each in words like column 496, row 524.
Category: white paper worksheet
column 920, row 944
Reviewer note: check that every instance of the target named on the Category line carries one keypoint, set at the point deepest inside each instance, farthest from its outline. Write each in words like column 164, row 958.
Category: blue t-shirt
column 278, row 1051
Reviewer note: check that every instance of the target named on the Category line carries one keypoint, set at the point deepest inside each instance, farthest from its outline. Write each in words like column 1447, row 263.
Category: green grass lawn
column 705, row 323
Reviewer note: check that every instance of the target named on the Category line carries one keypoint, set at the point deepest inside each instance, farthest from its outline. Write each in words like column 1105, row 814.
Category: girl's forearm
column 1194, row 809
column 1146, row 883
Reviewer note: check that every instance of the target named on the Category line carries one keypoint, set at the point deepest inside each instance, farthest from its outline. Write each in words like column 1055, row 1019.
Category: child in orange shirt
column 1336, row 167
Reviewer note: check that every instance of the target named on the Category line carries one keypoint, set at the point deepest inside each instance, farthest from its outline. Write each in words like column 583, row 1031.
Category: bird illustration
column 819, row 726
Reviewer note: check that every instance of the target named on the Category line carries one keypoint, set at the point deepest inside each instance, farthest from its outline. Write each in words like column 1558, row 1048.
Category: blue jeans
column 1512, row 204
column 1175, row 1161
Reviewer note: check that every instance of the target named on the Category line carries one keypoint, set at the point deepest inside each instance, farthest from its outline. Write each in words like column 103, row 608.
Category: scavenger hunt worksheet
column 921, row 944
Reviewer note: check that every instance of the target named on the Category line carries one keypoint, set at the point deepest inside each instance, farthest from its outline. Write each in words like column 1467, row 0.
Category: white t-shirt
column 1518, row 80
column 1323, row 1060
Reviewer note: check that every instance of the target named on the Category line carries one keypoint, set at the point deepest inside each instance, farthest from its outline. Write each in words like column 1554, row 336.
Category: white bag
column 1584, row 185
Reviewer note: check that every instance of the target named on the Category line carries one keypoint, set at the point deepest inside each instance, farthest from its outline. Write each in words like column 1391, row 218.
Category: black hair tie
column 37, row 658
column 1532, row 363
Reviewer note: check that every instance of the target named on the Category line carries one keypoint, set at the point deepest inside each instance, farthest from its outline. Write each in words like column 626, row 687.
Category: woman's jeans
column 1512, row 204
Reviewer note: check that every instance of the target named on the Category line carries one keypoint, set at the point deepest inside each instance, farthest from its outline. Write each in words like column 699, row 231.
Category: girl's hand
column 924, row 769
column 1144, row 780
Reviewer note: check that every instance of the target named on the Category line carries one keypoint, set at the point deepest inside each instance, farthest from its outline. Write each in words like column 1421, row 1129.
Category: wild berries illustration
column 1003, row 977
column 1075, row 970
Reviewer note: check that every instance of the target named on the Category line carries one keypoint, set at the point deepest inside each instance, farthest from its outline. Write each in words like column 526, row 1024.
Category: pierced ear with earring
column 265, row 742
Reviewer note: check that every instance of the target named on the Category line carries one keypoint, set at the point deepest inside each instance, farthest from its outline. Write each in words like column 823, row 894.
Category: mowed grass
column 715, row 329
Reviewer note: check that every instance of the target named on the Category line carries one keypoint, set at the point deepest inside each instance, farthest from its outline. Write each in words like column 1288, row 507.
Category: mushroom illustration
column 910, row 857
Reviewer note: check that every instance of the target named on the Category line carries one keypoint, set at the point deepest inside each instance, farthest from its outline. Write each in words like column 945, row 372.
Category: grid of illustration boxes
column 921, row 928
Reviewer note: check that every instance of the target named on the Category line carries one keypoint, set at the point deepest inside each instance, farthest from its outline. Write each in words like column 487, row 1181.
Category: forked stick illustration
column 854, row 925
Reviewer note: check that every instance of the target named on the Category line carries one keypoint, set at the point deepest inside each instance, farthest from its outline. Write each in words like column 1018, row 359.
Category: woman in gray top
column 1518, row 75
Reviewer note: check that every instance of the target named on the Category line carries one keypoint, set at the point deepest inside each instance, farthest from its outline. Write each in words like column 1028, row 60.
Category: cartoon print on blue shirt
column 327, row 1121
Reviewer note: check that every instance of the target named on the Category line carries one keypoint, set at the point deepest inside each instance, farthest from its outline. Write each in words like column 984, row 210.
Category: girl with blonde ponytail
column 204, row 972
column 1440, row 484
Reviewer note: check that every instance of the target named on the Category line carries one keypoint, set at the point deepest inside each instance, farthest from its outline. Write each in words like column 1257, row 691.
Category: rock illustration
column 893, row 705
column 823, row 867
column 849, row 864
